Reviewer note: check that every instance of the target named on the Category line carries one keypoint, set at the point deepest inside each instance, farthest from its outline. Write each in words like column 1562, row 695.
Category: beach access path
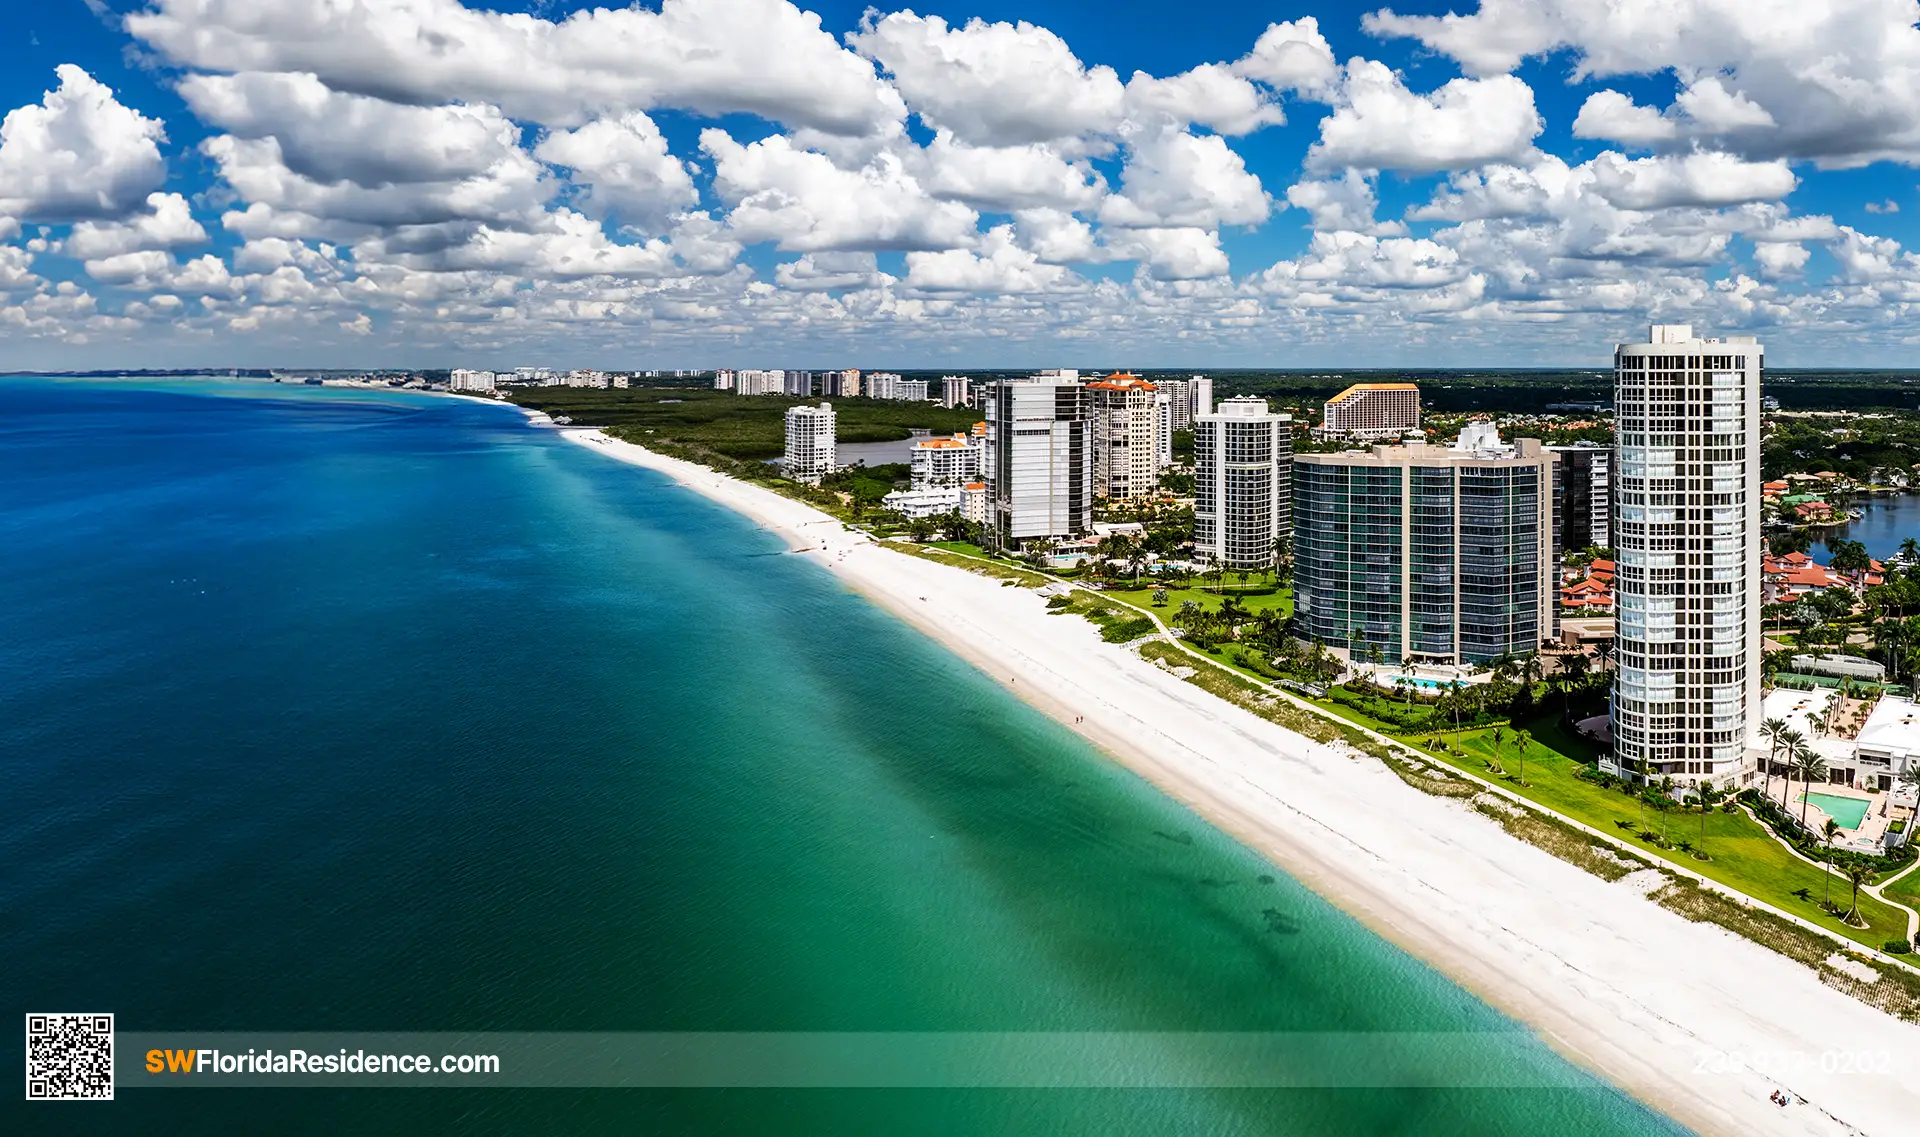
column 1694, row 1020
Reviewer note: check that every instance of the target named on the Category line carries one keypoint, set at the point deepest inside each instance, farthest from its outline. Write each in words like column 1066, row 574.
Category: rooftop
column 1122, row 381
column 1361, row 388
column 1894, row 726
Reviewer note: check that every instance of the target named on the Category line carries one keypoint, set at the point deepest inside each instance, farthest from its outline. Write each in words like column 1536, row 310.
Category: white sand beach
column 1692, row 1019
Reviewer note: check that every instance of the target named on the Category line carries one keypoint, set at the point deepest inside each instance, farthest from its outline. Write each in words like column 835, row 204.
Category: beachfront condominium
column 1243, row 474
column 956, row 391
column 1126, row 450
column 464, row 380
column 1686, row 539
column 809, row 443
column 1372, row 411
column 799, row 383
column 1426, row 552
column 1039, row 462
column 1583, row 497
column 840, row 384
column 944, row 461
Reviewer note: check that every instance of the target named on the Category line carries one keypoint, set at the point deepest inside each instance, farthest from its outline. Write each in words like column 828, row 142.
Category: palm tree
column 1499, row 736
column 1827, row 833
column 1791, row 743
column 1710, row 795
column 1809, row 765
column 1857, row 875
column 1664, row 804
column 1573, row 670
column 1773, row 730
column 1604, row 652
column 1520, row 740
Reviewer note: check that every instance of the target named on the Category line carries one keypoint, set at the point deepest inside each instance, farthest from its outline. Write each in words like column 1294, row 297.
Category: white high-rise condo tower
column 1686, row 536
column 810, row 455
column 1242, row 499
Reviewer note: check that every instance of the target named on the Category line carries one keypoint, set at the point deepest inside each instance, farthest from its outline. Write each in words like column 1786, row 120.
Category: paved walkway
column 1609, row 839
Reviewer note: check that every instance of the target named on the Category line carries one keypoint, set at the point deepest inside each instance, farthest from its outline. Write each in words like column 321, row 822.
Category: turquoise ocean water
column 329, row 710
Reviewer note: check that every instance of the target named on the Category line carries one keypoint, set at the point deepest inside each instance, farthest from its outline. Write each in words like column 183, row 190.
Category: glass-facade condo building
column 1686, row 537
column 1427, row 552
column 1038, row 461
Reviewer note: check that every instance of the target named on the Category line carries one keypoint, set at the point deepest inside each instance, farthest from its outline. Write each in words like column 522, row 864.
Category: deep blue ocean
column 336, row 710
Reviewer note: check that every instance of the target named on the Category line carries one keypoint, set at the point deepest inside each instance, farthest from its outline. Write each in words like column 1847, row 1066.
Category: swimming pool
column 1846, row 811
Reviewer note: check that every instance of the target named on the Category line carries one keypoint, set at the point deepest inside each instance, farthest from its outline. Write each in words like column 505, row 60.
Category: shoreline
column 1688, row 1018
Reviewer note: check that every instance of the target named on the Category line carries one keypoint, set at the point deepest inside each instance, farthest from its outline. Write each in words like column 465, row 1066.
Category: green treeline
column 737, row 426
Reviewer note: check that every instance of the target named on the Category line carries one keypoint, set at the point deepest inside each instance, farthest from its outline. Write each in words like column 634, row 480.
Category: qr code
column 69, row 1057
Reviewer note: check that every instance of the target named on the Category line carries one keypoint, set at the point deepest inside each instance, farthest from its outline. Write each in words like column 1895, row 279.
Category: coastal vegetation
column 1863, row 448
column 730, row 425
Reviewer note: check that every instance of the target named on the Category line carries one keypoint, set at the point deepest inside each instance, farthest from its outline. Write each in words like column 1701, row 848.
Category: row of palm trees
column 1802, row 759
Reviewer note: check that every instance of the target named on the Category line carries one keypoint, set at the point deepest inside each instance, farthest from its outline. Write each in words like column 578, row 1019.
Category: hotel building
column 1243, row 474
column 1039, row 461
column 1126, row 448
column 1372, row 411
column 809, row 443
column 1686, row 537
column 1429, row 552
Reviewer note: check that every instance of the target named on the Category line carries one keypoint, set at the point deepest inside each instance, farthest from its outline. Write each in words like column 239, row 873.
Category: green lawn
column 1255, row 598
column 1906, row 890
column 1745, row 856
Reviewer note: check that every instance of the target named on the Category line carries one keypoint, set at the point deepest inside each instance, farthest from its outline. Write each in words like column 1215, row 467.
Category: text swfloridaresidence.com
column 296, row 1061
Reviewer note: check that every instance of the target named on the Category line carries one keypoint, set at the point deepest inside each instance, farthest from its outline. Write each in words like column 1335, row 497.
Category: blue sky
column 713, row 182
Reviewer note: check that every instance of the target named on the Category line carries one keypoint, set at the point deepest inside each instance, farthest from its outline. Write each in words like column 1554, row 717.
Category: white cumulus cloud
column 78, row 153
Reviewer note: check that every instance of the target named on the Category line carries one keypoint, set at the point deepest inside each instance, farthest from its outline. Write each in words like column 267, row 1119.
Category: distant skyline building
column 723, row 379
column 810, row 443
column 1435, row 553
column 1686, row 537
column 1163, row 428
column 1372, row 411
column 1125, row 440
column 1583, row 497
column 956, row 391
column 1243, row 474
column 799, row 384
column 887, row 385
column 463, row 380
column 1199, row 398
column 1039, row 460
column 749, row 382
